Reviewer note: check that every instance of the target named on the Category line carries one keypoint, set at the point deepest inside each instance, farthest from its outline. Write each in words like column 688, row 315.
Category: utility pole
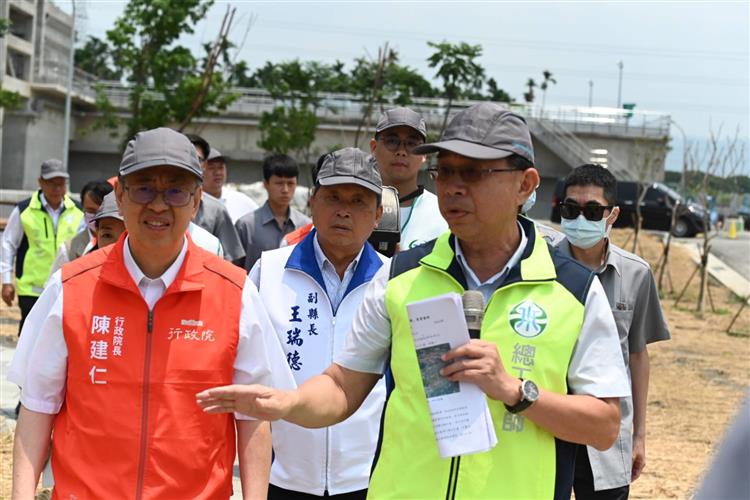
column 68, row 95
column 619, row 86
column 591, row 92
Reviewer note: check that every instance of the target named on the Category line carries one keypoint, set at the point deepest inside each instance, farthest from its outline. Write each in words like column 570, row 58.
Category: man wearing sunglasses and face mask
column 547, row 356
column 397, row 133
column 127, row 335
column 588, row 213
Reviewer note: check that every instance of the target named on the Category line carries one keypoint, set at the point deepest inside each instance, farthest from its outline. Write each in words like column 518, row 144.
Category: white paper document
column 460, row 416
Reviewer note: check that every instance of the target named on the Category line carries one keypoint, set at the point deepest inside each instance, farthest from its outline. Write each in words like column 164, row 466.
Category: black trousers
column 583, row 484
column 276, row 493
column 25, row 303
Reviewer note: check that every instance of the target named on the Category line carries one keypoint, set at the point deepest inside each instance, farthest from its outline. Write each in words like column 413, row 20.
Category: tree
column 457, row 68
column 497, row 94
column 95, row 58
column 168, row 84
column 721, row 156
column 546, row 82
column 292, row 123
column 529, row 95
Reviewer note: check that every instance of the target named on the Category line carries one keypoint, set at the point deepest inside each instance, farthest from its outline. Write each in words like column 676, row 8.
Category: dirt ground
column 698, row 380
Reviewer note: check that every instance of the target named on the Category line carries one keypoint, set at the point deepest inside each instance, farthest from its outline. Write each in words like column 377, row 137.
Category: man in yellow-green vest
column 35, row 229
column 547, row 357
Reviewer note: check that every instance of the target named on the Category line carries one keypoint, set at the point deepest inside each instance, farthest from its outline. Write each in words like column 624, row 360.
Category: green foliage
column 457, row 68
column 528, row 96
column 496, row 94
column 10, row 100
column 4, row 25
column 166, row 79
column 95, row 58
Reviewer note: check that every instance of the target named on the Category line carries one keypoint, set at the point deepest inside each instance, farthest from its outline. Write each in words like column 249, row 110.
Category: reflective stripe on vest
column 43, row 242
column 129, row 426
column 534, row 320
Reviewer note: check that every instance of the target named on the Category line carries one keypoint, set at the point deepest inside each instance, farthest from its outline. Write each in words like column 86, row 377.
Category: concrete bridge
column 564, row 137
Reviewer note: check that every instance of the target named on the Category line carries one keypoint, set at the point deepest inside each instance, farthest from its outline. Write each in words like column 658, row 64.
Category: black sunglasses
column 174, row 197
column 591, row 212
column 392, row 143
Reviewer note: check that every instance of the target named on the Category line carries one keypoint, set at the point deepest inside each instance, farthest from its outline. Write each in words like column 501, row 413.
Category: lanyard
column 408, row 218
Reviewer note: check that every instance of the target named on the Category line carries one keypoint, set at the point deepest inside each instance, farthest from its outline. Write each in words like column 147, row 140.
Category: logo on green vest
column 528, row 319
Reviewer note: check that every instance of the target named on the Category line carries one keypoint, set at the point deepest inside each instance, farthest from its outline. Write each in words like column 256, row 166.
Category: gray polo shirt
column 259, row 231
column 631, row 290
column 214, row 218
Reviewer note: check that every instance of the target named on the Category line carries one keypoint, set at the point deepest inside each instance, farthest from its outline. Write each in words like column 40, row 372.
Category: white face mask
column 529, row 203
column 584, row 233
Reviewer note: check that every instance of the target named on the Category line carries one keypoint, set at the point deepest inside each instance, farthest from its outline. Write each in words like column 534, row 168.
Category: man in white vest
column 311, row 291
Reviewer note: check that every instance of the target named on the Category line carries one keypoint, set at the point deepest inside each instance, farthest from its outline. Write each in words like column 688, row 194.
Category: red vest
column 130, row 426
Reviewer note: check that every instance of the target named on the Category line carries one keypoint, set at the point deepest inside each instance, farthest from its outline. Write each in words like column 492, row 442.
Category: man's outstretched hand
column 257, row 401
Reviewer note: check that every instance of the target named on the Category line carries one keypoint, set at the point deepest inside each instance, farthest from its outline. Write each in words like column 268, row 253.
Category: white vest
column 336, row 458
column 421, row 222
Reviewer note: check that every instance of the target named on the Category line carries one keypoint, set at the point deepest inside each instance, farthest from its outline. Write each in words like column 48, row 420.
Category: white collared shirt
column 335, row 286
column 41, row 360
column 595, row 367
column 152, row 289
column 13, row 236
column 488, row 286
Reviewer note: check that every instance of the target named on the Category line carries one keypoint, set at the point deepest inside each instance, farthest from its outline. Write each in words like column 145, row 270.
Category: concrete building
column 34, row 57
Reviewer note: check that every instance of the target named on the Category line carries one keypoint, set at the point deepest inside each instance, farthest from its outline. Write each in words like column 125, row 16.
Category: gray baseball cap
column 350, row 166
column 484, row 131
column 401, row 116
column 215, row 154
column 53, row 168
column 108, row 208
column 160, row 146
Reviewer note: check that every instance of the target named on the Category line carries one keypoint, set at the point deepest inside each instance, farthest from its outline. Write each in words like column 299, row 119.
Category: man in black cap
column 397, row 133
column 323, row 279
column 547, row 357
column 37, row 226
column 126, row 335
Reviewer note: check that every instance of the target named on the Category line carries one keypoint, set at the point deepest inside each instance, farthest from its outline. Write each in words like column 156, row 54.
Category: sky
column 689, row 60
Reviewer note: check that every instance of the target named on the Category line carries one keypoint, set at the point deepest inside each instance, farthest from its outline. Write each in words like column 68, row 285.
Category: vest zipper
column 144, row 411
column 46, row 234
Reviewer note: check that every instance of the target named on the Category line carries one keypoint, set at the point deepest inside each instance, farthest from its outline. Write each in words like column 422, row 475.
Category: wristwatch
column 529, row 395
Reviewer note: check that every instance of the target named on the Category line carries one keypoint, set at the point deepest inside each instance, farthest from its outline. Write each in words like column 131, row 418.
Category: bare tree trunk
column 376, row 86
column 208, row 70
column 665, row 255
column 445, row 118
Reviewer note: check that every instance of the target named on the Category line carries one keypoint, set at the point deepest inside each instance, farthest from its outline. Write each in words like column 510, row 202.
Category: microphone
column 473, row 311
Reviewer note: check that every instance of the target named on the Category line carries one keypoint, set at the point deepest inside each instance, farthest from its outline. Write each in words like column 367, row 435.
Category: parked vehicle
column 656, row 208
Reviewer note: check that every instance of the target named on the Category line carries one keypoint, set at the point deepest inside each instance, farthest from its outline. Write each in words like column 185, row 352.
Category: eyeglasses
column 392, row 143
column 174, row 197
column 591, row 212
column 469, row 175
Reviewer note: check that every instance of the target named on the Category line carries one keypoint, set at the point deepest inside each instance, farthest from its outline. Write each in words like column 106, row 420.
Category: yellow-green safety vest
column 41, row 240
column 534, row 318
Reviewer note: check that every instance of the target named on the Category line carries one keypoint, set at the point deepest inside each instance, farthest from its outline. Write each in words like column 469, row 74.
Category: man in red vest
column 123, row 338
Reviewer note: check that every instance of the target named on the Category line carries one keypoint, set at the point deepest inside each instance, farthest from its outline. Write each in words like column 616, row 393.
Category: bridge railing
column 349, row 108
